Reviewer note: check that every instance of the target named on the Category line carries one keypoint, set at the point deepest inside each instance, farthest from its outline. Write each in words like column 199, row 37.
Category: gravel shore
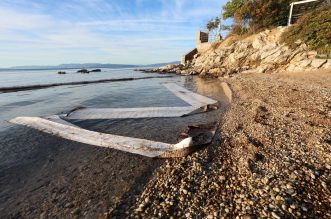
column 272, row 158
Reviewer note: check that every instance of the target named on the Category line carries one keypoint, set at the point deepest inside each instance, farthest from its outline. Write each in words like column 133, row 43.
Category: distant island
column 83, row 65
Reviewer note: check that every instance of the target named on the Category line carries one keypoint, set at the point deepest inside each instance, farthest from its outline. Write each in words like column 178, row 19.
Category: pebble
column 289, row 186
column 275, row 215
column 290, row 191
column 304, row 208
column 279, row 198
column 42, row 215
column 276, row 189
column 76, row 211
column 265, row 180
column 69, row 205
column 222, row 178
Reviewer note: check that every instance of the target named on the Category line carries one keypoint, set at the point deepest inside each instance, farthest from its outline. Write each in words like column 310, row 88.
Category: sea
column 16, row 141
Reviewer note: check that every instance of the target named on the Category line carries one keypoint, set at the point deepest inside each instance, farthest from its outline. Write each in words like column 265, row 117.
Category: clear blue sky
column 47, row 32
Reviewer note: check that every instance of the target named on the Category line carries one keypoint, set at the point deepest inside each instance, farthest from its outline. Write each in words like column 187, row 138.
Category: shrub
column 314, row 29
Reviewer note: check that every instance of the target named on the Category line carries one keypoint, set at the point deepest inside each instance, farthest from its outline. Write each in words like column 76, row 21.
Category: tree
column 214, row 26
column 231, row 7
column 254, row 15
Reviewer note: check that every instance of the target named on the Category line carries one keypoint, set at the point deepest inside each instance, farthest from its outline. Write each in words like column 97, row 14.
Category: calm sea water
column 32, row 77
column 17, row 141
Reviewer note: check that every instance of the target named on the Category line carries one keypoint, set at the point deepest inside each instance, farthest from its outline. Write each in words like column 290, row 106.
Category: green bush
column 314, row 29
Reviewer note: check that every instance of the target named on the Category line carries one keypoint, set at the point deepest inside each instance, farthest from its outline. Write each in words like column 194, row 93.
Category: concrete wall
column 188, row 56
column 202, row 41
column 201, row 45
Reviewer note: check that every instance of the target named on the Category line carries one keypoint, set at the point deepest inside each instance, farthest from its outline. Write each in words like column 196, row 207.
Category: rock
column 76, row 211
column 298, row 42
column 317, row 63
column 96, row 70
column 62, row 73
column 222, row 178
column 258, row 43
column 263, row 68
column 42, row 215
column 218, row 59
column 279, row 198
column 274, row 51
column 215, row 71
column 274, row 215
column 83, row 71
column 328, row 64
column 305, row 63
column 69, row 205
column 312, row 54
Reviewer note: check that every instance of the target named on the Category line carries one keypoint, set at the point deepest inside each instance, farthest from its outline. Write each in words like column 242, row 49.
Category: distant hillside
column 73, row 66
column 84, row 65
column 161, row 64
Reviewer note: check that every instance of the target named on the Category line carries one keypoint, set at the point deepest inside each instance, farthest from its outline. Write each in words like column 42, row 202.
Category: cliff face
column 259, row 53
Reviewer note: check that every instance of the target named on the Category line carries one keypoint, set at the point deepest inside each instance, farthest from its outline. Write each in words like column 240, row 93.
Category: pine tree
column 254, row 15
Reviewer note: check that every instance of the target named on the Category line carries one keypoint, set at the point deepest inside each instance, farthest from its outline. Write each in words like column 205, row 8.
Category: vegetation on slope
column 253, row 16
column 312, row 29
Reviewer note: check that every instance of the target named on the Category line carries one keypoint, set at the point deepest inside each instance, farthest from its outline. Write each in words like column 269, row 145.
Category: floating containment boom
column 57, row 126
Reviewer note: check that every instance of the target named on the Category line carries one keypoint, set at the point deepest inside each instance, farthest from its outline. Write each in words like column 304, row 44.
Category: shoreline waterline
column 43, row 86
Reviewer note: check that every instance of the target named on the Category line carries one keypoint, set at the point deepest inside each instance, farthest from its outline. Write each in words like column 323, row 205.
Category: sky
column 51, row 32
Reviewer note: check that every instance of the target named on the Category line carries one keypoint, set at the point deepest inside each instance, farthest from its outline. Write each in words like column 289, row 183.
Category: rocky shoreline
column 260, row 53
